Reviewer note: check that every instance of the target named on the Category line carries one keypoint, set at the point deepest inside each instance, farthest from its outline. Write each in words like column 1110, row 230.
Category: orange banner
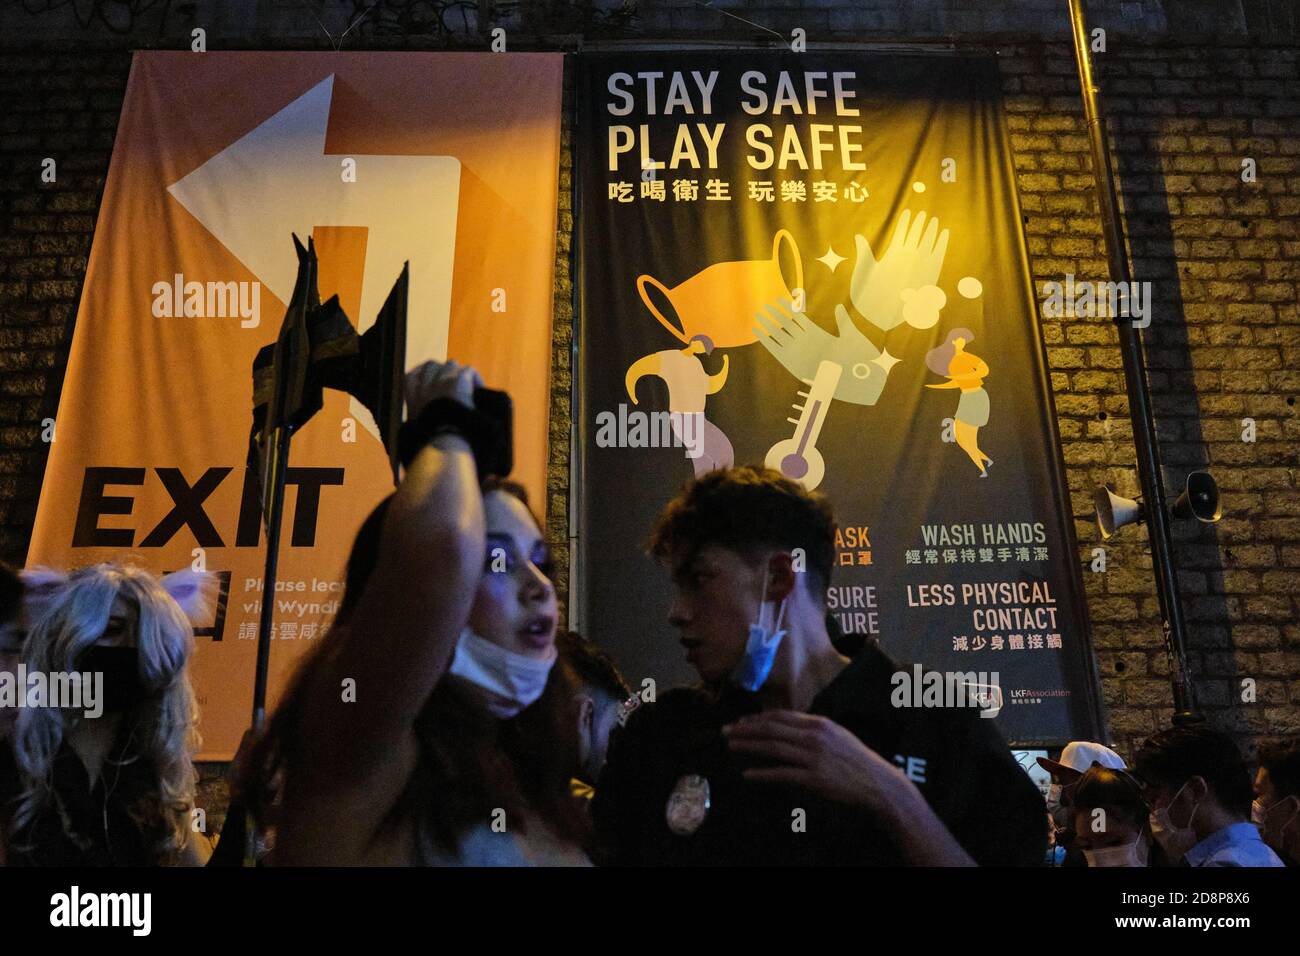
column 448, row 160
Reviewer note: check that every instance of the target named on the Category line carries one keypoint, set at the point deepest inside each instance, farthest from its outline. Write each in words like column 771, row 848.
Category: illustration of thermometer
column 798, row 458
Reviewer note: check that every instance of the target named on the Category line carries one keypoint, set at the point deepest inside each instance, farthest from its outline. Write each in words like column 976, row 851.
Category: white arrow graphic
column 278, row 179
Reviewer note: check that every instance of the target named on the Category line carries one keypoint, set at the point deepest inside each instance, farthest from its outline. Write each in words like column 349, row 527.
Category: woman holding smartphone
column 431, row 726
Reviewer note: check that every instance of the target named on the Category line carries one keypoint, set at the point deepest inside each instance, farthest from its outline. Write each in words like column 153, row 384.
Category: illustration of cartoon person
column 966, row 371
column 689, row 385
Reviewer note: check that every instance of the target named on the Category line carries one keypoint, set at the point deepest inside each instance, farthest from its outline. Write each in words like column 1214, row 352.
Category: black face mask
column 120, row 666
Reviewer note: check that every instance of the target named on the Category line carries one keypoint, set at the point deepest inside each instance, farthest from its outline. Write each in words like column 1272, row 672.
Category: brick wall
column 1224, row 344
column 65, row 106
column 1223, row 256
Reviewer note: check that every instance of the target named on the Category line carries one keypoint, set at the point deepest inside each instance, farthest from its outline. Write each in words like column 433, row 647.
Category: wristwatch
column 446, row 416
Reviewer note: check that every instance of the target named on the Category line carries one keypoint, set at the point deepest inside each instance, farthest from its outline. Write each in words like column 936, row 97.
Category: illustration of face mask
column 760, row 650
column 505, row 682
column 1175, row 841
column 1133, row 854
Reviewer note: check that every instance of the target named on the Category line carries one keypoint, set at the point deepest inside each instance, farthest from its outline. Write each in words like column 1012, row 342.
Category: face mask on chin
column 503, row 681
column 1131, row 854
column 1175, row 841
column 760, row 649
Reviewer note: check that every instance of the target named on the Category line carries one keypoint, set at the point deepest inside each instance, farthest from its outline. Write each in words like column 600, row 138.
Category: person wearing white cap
column 1076, row 757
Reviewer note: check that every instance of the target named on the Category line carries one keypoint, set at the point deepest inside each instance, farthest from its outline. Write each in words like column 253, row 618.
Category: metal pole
column 1135, row 378
column 290, row 364
column 277, row 460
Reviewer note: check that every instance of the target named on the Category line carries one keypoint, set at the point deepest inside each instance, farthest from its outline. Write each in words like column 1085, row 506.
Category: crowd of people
column 444, row 720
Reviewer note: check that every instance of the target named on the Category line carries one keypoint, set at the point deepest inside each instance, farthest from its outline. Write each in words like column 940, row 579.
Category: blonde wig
column 67, row 613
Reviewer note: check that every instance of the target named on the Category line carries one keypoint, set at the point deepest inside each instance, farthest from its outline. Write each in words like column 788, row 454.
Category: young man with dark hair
column 791, row 753
column 1276, row 810
column 602, row 694
column 1199, row 792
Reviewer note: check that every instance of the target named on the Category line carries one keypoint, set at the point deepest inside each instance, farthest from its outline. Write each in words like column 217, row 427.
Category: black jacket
column 958, row 760
column 116, row 822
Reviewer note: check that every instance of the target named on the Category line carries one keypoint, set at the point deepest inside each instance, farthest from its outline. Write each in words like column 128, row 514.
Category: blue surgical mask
column 760, row 650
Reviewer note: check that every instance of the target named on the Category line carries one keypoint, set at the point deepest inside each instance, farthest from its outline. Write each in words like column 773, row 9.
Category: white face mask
column 1133, row 854
column 1053, row 797
column 505, row 682
column 1175, row 841
column 1273, row 834
column 1257, row 812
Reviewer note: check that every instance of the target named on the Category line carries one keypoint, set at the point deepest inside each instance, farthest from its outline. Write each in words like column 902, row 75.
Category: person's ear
column 586, row 712
column 41, row 585
column 782, row 578
column 1198, row 788
column 586, row 726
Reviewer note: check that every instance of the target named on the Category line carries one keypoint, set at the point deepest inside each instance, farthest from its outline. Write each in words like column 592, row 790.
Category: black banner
column 816, row 261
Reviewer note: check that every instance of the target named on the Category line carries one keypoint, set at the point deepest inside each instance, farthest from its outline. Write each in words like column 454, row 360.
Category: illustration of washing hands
column 801, row 345
column 899, row 287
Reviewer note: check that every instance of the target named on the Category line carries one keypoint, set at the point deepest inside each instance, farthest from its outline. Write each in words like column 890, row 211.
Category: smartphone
column 497, row 406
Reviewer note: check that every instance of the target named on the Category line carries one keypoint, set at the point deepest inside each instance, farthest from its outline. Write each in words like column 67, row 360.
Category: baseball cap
column 1078, row 756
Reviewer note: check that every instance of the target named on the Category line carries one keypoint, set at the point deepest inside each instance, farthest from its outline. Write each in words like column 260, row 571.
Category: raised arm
column 400, row 639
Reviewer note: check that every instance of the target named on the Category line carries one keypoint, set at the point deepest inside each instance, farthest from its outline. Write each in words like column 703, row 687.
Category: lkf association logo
column 1029, row 695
